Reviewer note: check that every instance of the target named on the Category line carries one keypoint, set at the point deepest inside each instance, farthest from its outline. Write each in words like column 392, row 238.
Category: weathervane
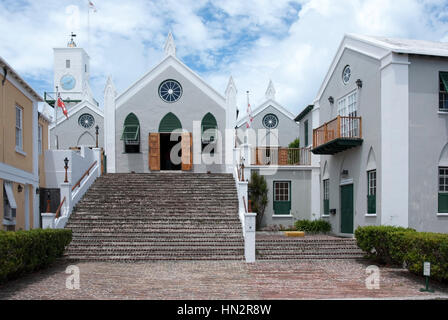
column 72, row 43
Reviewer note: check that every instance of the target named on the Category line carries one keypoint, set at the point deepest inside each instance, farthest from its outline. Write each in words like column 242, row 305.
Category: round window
column 86, row 121
column 346, row 74
column 170, row 91
column 270, row 121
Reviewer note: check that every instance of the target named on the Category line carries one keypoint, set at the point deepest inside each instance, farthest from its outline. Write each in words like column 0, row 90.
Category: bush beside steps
column 313, row 226
column 27, row 251
column 401, row 246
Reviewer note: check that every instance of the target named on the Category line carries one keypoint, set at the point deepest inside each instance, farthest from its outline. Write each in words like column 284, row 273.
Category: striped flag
column 92, row 6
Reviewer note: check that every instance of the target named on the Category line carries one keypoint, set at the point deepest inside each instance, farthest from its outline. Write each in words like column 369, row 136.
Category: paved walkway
column 323, row 279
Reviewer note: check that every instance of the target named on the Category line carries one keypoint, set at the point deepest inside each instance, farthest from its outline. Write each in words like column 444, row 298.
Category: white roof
column 409, row 46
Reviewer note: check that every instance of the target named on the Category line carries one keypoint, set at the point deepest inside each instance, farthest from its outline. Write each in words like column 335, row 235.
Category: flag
column 92, row 6
column 61, row 105
column 249, row 113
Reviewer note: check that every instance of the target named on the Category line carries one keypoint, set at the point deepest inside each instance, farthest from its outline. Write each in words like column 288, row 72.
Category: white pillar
column 249, row 236
column 230, row 94
column 48, row 220
column 66, row 191
column 315, row 193
column 97, row 157
column 109, row 124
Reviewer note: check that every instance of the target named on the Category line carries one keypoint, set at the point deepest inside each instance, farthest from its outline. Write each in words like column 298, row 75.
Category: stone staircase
column 279, row 247
column 157, row 216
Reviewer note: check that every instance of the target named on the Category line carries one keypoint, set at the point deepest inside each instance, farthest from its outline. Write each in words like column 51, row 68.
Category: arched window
column 326, row 189
column 209, row 131
column 169, row 123
column 131, row 134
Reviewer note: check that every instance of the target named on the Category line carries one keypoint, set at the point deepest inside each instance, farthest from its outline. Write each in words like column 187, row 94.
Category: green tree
column 259, row 196
column 295, row 144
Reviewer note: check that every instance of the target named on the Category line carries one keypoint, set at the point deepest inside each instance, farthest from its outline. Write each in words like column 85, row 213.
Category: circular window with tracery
column 86, row 120
column 170, row 91
column 346, row 74
column 270, row 121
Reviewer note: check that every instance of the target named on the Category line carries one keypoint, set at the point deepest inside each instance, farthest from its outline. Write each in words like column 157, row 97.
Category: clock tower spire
column 71, row 72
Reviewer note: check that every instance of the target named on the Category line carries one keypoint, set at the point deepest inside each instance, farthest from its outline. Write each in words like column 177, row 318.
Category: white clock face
column 68, row 82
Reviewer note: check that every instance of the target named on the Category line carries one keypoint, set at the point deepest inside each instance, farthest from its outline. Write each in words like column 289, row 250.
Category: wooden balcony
column 339, row 134
column 277, row 156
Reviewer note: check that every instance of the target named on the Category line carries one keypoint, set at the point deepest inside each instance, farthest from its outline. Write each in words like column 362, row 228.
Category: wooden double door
column 158, row 160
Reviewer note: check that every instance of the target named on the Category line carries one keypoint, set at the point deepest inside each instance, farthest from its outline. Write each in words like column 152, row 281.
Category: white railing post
column 66, row 191
column 48, row 220
column 249, row 237
column 97, row 158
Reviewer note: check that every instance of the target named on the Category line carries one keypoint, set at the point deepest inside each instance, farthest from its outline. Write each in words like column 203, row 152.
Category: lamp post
column 97, row 128
column 66, row 167
column 48, row 201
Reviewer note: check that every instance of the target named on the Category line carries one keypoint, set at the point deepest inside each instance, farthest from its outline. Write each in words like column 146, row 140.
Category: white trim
column 264, row 106
column 11, row 173
column 282, row 216
column 179, row 66
column 276, row 167
column 439, row 214
column 370, row 215
column 345, row 182
column 325, row 216
column 442, row 112
column 20, row 151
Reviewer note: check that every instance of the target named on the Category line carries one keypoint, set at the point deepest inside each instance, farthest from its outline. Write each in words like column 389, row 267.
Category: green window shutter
column 306, row 133
column 371, row 204
column 443, row 202
column 326, row 207
column 169, row 123
column 131, row 128
column 444, row 78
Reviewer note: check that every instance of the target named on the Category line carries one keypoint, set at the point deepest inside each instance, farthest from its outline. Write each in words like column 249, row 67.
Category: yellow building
column 22, row 139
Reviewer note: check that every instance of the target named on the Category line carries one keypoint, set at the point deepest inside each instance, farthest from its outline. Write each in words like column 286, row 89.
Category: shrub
column 395, row 245
column 382, row 243
column 314, row 226
column 27, row 251
column 295, row 144
column 259, row 196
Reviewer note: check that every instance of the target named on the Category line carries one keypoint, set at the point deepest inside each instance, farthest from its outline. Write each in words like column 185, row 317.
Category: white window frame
column 443, row 187
column 371, row 182
column 19, row 128
column 39, row 138
column 348, row 107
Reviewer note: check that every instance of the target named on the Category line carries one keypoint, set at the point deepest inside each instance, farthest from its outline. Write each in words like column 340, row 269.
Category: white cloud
column 252, row 40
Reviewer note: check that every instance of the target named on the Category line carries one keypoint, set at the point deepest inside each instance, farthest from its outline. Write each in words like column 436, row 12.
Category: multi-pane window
column 443, row 91
column 348, row 107
column 282, row 197
column 39, row 139
column 443, row 189
column 19, row 128
column 326, row 187
column 371, row 191
column 281, row 191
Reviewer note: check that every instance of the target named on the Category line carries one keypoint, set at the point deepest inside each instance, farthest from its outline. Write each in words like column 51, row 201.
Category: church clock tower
column 71, row 72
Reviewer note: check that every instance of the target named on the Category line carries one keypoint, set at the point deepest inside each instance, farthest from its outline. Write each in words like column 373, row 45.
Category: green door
column 347, row 209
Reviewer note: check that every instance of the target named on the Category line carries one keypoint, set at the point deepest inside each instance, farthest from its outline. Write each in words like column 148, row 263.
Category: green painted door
column 347, row 209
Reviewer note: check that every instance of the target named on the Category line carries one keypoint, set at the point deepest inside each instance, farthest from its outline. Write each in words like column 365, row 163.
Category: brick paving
column 311, row 279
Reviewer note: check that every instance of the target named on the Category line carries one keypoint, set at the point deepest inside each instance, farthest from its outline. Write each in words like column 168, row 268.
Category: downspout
column 5, row 73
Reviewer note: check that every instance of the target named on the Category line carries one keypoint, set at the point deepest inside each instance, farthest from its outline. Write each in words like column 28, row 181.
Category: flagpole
column 55, row 106
column 88, row 28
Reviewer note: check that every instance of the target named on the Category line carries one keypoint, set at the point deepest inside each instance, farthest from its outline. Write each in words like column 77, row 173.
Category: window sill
column 442, row 112
column 371, row 215
column 7, row 222
column 325, row 216
column 442, row 214
column 282, row 216
column 20, row 151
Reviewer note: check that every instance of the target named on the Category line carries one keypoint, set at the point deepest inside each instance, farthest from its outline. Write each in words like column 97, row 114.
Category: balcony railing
column 277, row 156
column 337, row 135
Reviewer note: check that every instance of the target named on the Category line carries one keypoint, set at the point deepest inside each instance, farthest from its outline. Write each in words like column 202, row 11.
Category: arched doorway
column 170, row 137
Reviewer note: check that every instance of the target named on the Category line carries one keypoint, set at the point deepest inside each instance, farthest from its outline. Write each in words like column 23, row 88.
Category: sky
column 290, row 42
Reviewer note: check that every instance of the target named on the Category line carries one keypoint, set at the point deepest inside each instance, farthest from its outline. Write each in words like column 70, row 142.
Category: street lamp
column 66, row 167
column 97, row 128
